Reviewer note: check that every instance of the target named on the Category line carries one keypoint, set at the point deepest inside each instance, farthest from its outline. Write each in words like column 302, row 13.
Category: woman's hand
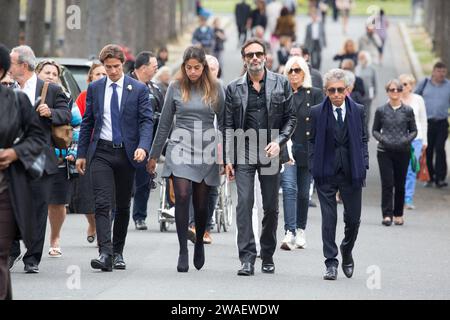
column 7, row 156
column 151, row 166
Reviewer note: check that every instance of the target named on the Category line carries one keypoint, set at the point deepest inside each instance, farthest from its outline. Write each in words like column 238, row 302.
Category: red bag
column 423, row 174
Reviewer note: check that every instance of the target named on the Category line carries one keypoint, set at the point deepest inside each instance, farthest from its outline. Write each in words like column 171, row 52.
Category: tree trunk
column 9, row 22
column 35, row 26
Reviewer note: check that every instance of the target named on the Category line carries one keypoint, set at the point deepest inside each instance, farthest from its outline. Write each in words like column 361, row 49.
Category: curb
column 414, row 62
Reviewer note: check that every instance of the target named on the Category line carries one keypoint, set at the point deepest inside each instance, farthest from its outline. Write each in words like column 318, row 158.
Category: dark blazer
column 58, row 102
column 315, row 118
column 309, row 40
column 136, row 118
column 27, row 150
column 394, row 130
column 281, row 112
column 303, row 100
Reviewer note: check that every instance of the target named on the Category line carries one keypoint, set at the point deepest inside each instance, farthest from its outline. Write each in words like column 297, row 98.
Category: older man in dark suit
column 53, row 111
column 339, row 160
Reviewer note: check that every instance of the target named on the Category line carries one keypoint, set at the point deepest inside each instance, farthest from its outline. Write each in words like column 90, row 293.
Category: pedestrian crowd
column 282, row 124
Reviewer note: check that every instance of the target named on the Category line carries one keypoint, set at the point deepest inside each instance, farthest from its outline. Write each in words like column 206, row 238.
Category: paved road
column 408, row 262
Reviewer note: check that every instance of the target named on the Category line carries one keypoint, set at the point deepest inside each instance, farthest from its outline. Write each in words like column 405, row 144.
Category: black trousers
column 351, row 198
column 437, row 135
column 41, row 194
column 393, row 171
column 8, row 229
column 111, row 173
column 270, row 184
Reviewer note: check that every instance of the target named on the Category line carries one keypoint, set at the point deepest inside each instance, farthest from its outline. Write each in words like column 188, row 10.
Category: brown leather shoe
column 399, row 221
column 207, row 238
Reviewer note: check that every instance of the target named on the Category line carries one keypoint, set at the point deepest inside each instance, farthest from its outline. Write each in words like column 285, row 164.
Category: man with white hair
column 53, row 111
column 339, row 159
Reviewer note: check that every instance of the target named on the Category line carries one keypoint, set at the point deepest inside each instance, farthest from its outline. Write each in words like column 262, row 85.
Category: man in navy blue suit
column 115, row 137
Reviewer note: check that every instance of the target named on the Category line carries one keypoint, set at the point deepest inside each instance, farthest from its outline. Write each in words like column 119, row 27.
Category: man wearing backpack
column 436, row 93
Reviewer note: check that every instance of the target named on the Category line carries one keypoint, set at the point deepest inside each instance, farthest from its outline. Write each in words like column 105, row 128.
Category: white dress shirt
column 106, row 133
column 344, row 111
column 315, row 31
column 30, row 88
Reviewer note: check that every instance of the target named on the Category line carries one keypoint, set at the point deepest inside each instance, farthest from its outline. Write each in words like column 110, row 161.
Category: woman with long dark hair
column 195, row 99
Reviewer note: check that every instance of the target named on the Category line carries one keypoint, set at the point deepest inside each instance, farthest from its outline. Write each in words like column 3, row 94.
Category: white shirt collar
column 118, row 82
column 342, row 107
column 31, row 83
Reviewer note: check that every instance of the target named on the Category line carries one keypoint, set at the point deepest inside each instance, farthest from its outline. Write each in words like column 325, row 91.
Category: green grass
column 423, row 48
column 391, row 7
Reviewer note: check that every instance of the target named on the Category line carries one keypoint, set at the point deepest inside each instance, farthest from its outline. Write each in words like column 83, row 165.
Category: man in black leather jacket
column 258, row 106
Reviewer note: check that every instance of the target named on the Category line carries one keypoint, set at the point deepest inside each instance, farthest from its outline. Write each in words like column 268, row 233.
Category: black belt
column 110, row 144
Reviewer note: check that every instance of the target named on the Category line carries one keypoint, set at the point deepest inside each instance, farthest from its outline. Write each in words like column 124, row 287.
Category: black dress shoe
column 330, row 274
column 268, row 266
column 348, row 265
column 31, row 268
column 441, row 184
column 247, row 269
column 118, row 262
column 104, row 262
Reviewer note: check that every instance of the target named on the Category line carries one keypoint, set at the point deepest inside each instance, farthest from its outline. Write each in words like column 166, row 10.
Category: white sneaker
column 300, row 241
column 288, row 242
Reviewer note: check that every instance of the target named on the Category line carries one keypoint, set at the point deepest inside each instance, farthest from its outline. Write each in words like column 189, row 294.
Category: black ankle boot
column 183, row 262
column 199, row 255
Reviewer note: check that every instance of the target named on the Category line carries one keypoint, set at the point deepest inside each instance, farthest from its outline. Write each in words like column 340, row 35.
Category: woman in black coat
column 17, row 155
column 295, row 179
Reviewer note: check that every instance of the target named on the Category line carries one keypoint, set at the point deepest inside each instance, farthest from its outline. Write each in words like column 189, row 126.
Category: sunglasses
column 8, row 84
column 295, row 70
column 340, row 90
column 395, row 90
column 250, row 55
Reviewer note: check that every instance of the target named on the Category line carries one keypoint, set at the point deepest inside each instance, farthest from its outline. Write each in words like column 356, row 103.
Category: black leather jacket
column 282, row 113
column 394, row 129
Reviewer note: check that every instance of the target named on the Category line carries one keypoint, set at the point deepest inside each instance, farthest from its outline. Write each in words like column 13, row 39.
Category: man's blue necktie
column 340, row 120
column 115, row 116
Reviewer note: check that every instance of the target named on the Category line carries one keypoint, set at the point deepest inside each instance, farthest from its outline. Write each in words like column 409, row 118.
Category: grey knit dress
column 191, row 149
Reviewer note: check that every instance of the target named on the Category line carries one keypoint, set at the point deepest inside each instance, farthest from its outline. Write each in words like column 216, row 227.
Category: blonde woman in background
column 420, row 143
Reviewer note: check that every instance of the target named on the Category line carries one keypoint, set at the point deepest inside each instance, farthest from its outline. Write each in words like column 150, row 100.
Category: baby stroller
column 224, row 208
column 166, row 211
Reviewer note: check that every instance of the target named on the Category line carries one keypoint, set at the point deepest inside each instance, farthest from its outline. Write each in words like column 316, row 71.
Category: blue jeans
column 295, row 182
column 410, row 185
column 141, row 194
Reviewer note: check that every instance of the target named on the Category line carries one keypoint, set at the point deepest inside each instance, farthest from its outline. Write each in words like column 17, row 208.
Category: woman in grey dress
column 192, row 103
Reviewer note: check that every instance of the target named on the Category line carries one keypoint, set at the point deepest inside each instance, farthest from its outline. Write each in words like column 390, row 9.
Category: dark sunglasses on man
column 340, row 90
column 250, row 55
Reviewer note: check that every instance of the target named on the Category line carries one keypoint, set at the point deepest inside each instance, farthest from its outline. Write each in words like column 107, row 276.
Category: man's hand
column 229, row 171
column 140, row 155
column 81, row 166
column 151, row 166
column 272, row 150
column 44, row 111
column 70, row 158
column 7, row 157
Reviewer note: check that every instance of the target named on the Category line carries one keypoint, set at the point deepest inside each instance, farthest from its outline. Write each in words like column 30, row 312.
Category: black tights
column 183, row 190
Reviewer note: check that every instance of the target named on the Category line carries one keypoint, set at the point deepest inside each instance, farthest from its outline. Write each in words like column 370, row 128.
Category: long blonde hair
column 207, row 83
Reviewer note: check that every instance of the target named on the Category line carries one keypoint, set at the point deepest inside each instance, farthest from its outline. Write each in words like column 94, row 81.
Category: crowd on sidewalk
column 282, row 124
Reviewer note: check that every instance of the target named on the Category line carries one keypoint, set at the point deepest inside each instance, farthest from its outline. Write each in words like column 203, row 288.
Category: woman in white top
column 420, row 143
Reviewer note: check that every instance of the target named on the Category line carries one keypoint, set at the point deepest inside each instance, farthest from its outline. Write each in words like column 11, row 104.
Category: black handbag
column 36, row 170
